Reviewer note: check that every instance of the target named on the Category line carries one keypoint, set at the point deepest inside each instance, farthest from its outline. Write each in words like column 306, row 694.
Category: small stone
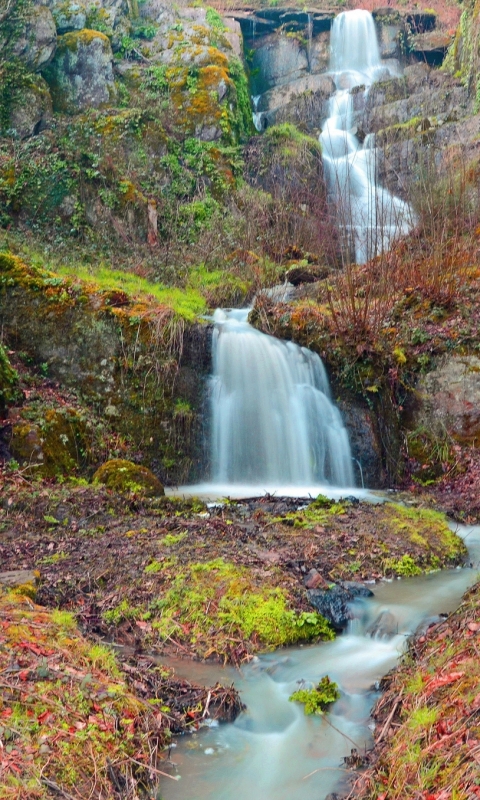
column 44, row 749
column 313, row 580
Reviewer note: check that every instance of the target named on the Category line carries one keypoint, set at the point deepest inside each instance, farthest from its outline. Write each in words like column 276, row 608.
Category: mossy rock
column 125, row 476
column 55, row 443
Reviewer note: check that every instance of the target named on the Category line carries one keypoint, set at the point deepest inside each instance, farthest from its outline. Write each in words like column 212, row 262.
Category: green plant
column 317, row 700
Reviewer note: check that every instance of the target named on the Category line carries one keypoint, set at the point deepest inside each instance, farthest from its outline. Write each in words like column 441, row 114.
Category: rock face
column 36, row 45
column 450, row 399
column 424, row 107
column 31, row 111
column 81, row 74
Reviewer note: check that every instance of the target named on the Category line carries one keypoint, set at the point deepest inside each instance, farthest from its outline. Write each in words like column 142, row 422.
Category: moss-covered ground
column 172, row 576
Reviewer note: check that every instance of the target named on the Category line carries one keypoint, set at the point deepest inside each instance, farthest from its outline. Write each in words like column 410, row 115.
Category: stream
column 273, row 751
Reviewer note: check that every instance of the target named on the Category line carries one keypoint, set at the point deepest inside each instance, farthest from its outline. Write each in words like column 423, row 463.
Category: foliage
column 68, row 713
column 317, row 700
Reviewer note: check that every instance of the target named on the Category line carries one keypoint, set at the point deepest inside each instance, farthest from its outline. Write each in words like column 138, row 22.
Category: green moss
column 317, row 700
column 125, row 476
column 428, row 527
column 317, row 513
column 220, row 595
column 404, row 566
column 8, row 380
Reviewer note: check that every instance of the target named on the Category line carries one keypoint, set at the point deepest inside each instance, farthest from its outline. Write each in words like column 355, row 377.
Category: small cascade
column 257, row 115
column 273, row 422
column 369, row 216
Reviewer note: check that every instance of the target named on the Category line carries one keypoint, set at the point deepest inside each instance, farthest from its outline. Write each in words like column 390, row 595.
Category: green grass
column 187, row 303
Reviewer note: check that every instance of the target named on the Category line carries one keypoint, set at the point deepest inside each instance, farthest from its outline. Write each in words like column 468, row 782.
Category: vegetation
column 318, row 699
column 427, row 728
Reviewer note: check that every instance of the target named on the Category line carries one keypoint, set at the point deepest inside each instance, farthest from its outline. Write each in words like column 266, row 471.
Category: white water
column 273, row 422
column 370, row 216
column 273, row 751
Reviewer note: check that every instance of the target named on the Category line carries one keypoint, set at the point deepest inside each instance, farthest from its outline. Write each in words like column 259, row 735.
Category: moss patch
column 221, row 596
column 318, row 699
column 127, row 477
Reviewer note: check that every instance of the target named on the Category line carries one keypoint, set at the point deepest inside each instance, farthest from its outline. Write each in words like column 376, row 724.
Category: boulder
column 277, row 60
column 31, row 110
column 36, row 44
column 334, row 603
column 125, row 477
column 431, row 46
column 55, row 443
column 302, row 101
column 81, row 74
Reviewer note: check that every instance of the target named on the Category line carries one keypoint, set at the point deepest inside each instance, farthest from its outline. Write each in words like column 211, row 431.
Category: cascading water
column 273, row 422
column 273, row 751
column 369, row 216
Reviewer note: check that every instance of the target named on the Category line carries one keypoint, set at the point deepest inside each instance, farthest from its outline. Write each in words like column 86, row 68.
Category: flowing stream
column 369, row 216
column 273, row 751
column 274, row 428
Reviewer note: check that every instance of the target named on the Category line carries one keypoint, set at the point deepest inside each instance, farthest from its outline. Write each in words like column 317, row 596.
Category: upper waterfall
column 273, row 422
column 369, row 216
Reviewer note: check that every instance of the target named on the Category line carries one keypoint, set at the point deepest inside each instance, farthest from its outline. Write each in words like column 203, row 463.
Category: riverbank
column 427, row 731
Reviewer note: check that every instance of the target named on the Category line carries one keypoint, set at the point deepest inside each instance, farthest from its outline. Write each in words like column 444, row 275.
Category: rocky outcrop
column 81, row 74
column 449, row 399
column 31, row 109
column 37, row 42
column 422, row 107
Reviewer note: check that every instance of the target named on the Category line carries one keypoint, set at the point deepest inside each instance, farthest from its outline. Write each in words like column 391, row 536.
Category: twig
column 57, row 788
column 389, row 719
column 152, row 769
column 321, row 769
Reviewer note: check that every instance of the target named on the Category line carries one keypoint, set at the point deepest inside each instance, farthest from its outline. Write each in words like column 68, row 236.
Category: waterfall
column 273, row 422
column 369, row 216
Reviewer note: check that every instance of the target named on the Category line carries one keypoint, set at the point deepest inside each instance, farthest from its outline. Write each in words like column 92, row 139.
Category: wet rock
column 383, row 627
column 36, row 45
column 81, row 74
column 276, row 62
column 334, row 603
column 302, row 101
column 357, row 589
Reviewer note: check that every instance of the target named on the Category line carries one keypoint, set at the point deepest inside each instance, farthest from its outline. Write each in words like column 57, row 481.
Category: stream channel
column 274, row 427
column 273, row 751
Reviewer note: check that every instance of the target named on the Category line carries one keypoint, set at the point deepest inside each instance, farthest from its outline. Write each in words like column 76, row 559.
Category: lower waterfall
column 369, row 216
column 272, row 420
